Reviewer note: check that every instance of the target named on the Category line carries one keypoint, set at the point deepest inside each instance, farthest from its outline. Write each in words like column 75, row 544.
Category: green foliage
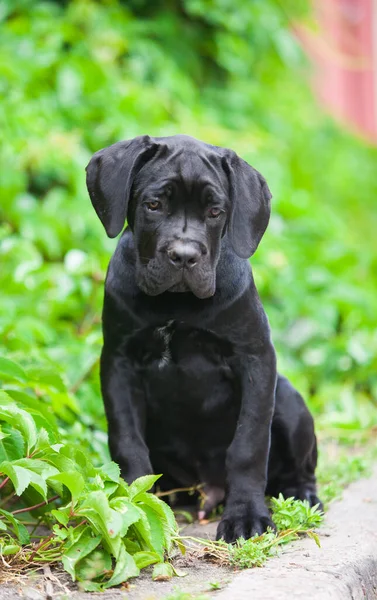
column 334, row 475
column 290, row 514
column 79, row 75
column 103, row 530
column 185, row 596
column 292, row 518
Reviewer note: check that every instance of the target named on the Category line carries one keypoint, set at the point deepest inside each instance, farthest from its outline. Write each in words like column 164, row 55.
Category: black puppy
column 188, row 369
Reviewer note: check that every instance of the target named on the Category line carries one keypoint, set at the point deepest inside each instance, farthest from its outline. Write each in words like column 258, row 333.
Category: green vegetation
column 292, row 518
column 185, row 596
column 79, row 75
column 102, row 529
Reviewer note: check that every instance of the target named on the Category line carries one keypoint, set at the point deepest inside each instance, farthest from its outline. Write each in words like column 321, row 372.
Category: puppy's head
column 180, row 196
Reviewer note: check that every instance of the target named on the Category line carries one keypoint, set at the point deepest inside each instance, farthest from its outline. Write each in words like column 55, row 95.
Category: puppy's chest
column 173, row 345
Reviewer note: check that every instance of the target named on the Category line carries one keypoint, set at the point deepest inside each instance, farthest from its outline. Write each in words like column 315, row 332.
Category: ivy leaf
column 129, row 513
column 104, row 519
column 96, row 565
column 157, row 535
column 162, row 572
column 83, row 545
column 41, row 412
column 11, row 370
column 21, row 420
column 19, row 529
column 110, row 471
column 125, row 568
column 142, row 484
column 12, row 445
column 19, row 476
column 46, row 377
column 144, row 559
column 62, row 515
column 73, row 480
column 165, row 513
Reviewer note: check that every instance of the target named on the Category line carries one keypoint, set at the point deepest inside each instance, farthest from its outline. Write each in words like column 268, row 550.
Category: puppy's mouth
column 179, row 287
column 153, row 282
column 200, row 291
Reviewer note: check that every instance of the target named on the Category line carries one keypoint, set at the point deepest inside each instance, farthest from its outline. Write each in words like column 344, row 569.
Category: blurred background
column 291, row 86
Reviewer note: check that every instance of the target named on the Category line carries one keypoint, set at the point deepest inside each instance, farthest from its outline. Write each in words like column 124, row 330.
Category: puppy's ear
column 250, row 197
column 109, row 178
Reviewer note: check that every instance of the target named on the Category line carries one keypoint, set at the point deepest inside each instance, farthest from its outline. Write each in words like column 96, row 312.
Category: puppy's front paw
column 243, row 520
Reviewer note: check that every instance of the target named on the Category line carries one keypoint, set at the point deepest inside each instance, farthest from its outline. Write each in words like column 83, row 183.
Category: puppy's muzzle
column 185, row 254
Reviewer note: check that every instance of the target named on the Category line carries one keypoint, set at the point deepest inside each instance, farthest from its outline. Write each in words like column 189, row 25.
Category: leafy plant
column 292, row 519
column 290, row 514
column 236, row 78
column 103, row 530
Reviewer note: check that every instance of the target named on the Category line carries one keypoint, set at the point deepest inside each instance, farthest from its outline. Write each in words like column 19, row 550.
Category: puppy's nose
column 183, row 254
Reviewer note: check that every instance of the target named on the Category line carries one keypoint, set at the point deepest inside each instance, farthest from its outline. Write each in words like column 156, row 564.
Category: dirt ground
column 57, row 585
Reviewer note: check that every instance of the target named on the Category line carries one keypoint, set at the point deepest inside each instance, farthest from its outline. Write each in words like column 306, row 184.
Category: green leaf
column 19, row 476
column 11, row 370
column 157, row 534
column 129, row 513
column 46, row 377
column 38, row 471
column 314, row 536
column 144, row 559
column 162, row 572
column 142, row 484
column 39, row 484
column 104, row 519
column 19, row 529
column 8, row 549
column 125, row 567
column 90, row 586
column 21, row 420
column 62, row 515
column 73, row 480
column 12, row 446
column 37, row 466
column 110, row 471
column 43, row 440
column 167, row 515
column 96, row 565
column 41, row 413
column 82, row 546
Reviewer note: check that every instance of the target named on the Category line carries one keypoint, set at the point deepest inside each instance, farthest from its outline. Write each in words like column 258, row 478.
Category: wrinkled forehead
column 187, row 169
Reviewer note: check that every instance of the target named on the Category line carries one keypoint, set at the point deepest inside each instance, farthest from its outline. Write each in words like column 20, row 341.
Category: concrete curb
column 344, row 568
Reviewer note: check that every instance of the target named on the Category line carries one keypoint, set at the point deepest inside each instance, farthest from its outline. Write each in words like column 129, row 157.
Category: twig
column 176, row 490
column 4, row 482
column 40, row 545
column 29, row 508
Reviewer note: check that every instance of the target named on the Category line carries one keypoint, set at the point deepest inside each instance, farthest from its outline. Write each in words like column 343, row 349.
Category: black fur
column 188, row 369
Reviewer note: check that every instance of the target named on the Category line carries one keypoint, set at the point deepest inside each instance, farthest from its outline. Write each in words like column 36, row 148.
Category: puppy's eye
column 214, row 212
column 153, row 205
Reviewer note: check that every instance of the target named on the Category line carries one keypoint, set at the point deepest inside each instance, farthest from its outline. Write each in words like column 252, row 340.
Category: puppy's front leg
column 125, row 410
column 245, row 512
